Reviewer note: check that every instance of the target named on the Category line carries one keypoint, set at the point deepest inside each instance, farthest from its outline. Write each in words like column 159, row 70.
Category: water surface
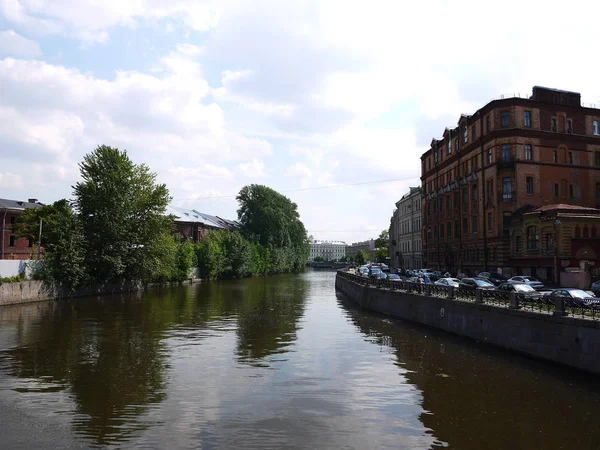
column 276, row 362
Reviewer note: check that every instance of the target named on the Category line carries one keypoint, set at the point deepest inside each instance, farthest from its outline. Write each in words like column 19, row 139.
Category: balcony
column 507, row 196
column 506, row 162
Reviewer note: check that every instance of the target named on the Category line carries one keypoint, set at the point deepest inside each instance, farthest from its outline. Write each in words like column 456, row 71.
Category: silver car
column 448, row 282
column 534, row 283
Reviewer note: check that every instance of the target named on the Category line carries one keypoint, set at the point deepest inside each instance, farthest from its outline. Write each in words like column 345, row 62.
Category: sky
column 294, row 94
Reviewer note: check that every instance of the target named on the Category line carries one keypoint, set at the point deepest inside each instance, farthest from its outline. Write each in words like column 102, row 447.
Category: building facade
column 547, row 241
column 13, row 247
column 405, row 232
column 328, row 250
column 368, row 246
column 512, row 153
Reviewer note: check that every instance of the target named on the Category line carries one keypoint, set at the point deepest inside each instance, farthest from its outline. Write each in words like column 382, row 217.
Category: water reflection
column 478, row 397
column 112, row 356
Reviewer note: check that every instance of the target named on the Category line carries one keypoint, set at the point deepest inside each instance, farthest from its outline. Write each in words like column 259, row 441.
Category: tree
column 269, row 218
column 122, row 212
column 62, row 239
column 381, row 255
column 361, row 257
column 319, row 259
column 383, row 241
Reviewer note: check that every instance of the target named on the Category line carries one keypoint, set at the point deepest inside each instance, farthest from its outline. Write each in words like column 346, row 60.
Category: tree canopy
column 361, row 257
column 269, row 218
column 383, row 240
column 122, row 213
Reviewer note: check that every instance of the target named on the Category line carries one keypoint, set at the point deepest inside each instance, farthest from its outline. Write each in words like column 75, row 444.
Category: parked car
column 595, row 288
column 393, row 277
column 384, row 267
column 454, row 282
column 475, row 283
column 374, row 272
column 426, row 273
column 575, row 297
column 519, row 288
column 461, row 275
column 381, row 275
column 534, row 283
column 492, row 277
column 420, row 280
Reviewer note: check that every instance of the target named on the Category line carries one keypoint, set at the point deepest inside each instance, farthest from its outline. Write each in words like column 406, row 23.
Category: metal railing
column 538, row 303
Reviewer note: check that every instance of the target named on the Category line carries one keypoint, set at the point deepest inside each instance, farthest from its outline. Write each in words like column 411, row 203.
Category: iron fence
column 545, row 304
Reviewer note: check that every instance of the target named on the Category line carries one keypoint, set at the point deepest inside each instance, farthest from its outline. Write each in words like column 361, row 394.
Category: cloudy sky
column 294, row 94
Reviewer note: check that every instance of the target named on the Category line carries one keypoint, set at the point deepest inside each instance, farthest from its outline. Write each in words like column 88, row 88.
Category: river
column 275, row 362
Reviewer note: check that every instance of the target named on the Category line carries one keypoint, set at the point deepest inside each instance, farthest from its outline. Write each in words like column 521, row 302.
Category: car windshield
column 454, row 280
column 523, row 288
column 374, row 270
column 530, row 279
column 482, row 283
column 578, row 293
column 393, row 276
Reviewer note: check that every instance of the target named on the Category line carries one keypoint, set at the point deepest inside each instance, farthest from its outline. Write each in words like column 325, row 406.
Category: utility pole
column 40, row 240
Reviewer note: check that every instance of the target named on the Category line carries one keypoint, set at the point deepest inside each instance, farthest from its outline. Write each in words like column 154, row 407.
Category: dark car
column 525, row 289
column 575, row 297
column 394, row 277
column 494, row 278
column 475, row 283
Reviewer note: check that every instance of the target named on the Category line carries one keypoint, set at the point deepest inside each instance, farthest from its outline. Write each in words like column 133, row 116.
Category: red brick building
column 512, row 153
column 11, row 246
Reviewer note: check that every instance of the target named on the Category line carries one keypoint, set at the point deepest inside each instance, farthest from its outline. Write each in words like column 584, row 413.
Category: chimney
column 32, row 200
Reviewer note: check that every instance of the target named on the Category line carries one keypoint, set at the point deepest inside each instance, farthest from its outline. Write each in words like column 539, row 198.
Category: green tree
column 381, row 255
column 185, row 260
column 383, row 241
column 122, row 212
column 62, row 240
column 319, row 259
column 361, row 257
column 269, row 218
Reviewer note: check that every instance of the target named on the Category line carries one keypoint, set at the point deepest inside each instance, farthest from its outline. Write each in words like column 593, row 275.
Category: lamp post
column 556, row 265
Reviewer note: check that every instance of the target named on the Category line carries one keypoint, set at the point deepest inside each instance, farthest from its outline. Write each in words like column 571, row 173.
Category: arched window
column 532, row 238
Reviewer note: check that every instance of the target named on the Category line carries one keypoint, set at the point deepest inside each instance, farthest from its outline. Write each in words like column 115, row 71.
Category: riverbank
column 38, row 290
column 569, row 341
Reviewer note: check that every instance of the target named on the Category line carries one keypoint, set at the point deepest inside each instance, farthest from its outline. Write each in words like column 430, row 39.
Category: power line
column 314, row 188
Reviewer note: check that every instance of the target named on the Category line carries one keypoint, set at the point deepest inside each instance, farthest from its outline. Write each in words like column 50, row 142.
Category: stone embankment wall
column 566, row 340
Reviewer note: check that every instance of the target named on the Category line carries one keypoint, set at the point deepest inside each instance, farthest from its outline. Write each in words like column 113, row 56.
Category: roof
column 18, row 205
column 188, row 215
column 564, row 207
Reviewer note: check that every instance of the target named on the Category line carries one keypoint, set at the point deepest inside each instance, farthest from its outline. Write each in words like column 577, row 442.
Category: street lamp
column 556, row 266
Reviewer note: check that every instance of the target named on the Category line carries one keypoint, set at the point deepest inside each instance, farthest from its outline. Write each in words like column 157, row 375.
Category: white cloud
column 12, row 43
column 10, row 180
column 253, row 169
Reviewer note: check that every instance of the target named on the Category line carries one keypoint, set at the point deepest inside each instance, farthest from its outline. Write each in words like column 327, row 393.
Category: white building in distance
column 328, row 250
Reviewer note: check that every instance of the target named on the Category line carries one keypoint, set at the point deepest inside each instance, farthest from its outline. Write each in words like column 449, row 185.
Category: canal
column 277, row 362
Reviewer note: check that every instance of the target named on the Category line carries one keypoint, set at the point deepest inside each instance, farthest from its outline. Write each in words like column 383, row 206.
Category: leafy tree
column 319, row 259
column 361, row 257
column 383, row 241
column 381, row 254
column 185, row 260
column 269, row 218
column 122, row 212
column 62, row 240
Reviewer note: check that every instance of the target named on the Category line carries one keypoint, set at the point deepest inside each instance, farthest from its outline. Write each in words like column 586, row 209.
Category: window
column 555, row 190
column 11, row 241
column 570, row 157
column 528, row 156
column 597, row 158
column 465, row 226
column 456, row 144
column 596, row 127
column 13, row 219
column 474, row 225
column 527, row 118
column 434, row 207
column 506, row 155
column 532, row 238
column 465, row 133
column 529, row 185
column 465, row 198
column 449, row 145
column 449, row 229
column 488, row 126
column 473, row 133
column 442, row 231
column 505, row 118
column 506, row 188
column 490, row 222
column 518, row 244
column 549, row 242
column 449, row 203
column 489, row 156
column 30, row 243
column 554, row 156
column 457, row 227
column 571, row 191
column 569, row 125
column 435, row 231
column 597, row 191
column 490, row 188
column 475, row 194
column 553, row 124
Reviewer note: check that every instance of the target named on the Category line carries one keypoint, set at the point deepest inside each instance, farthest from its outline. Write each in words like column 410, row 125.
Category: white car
column 448, row 282
column 536, row 284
